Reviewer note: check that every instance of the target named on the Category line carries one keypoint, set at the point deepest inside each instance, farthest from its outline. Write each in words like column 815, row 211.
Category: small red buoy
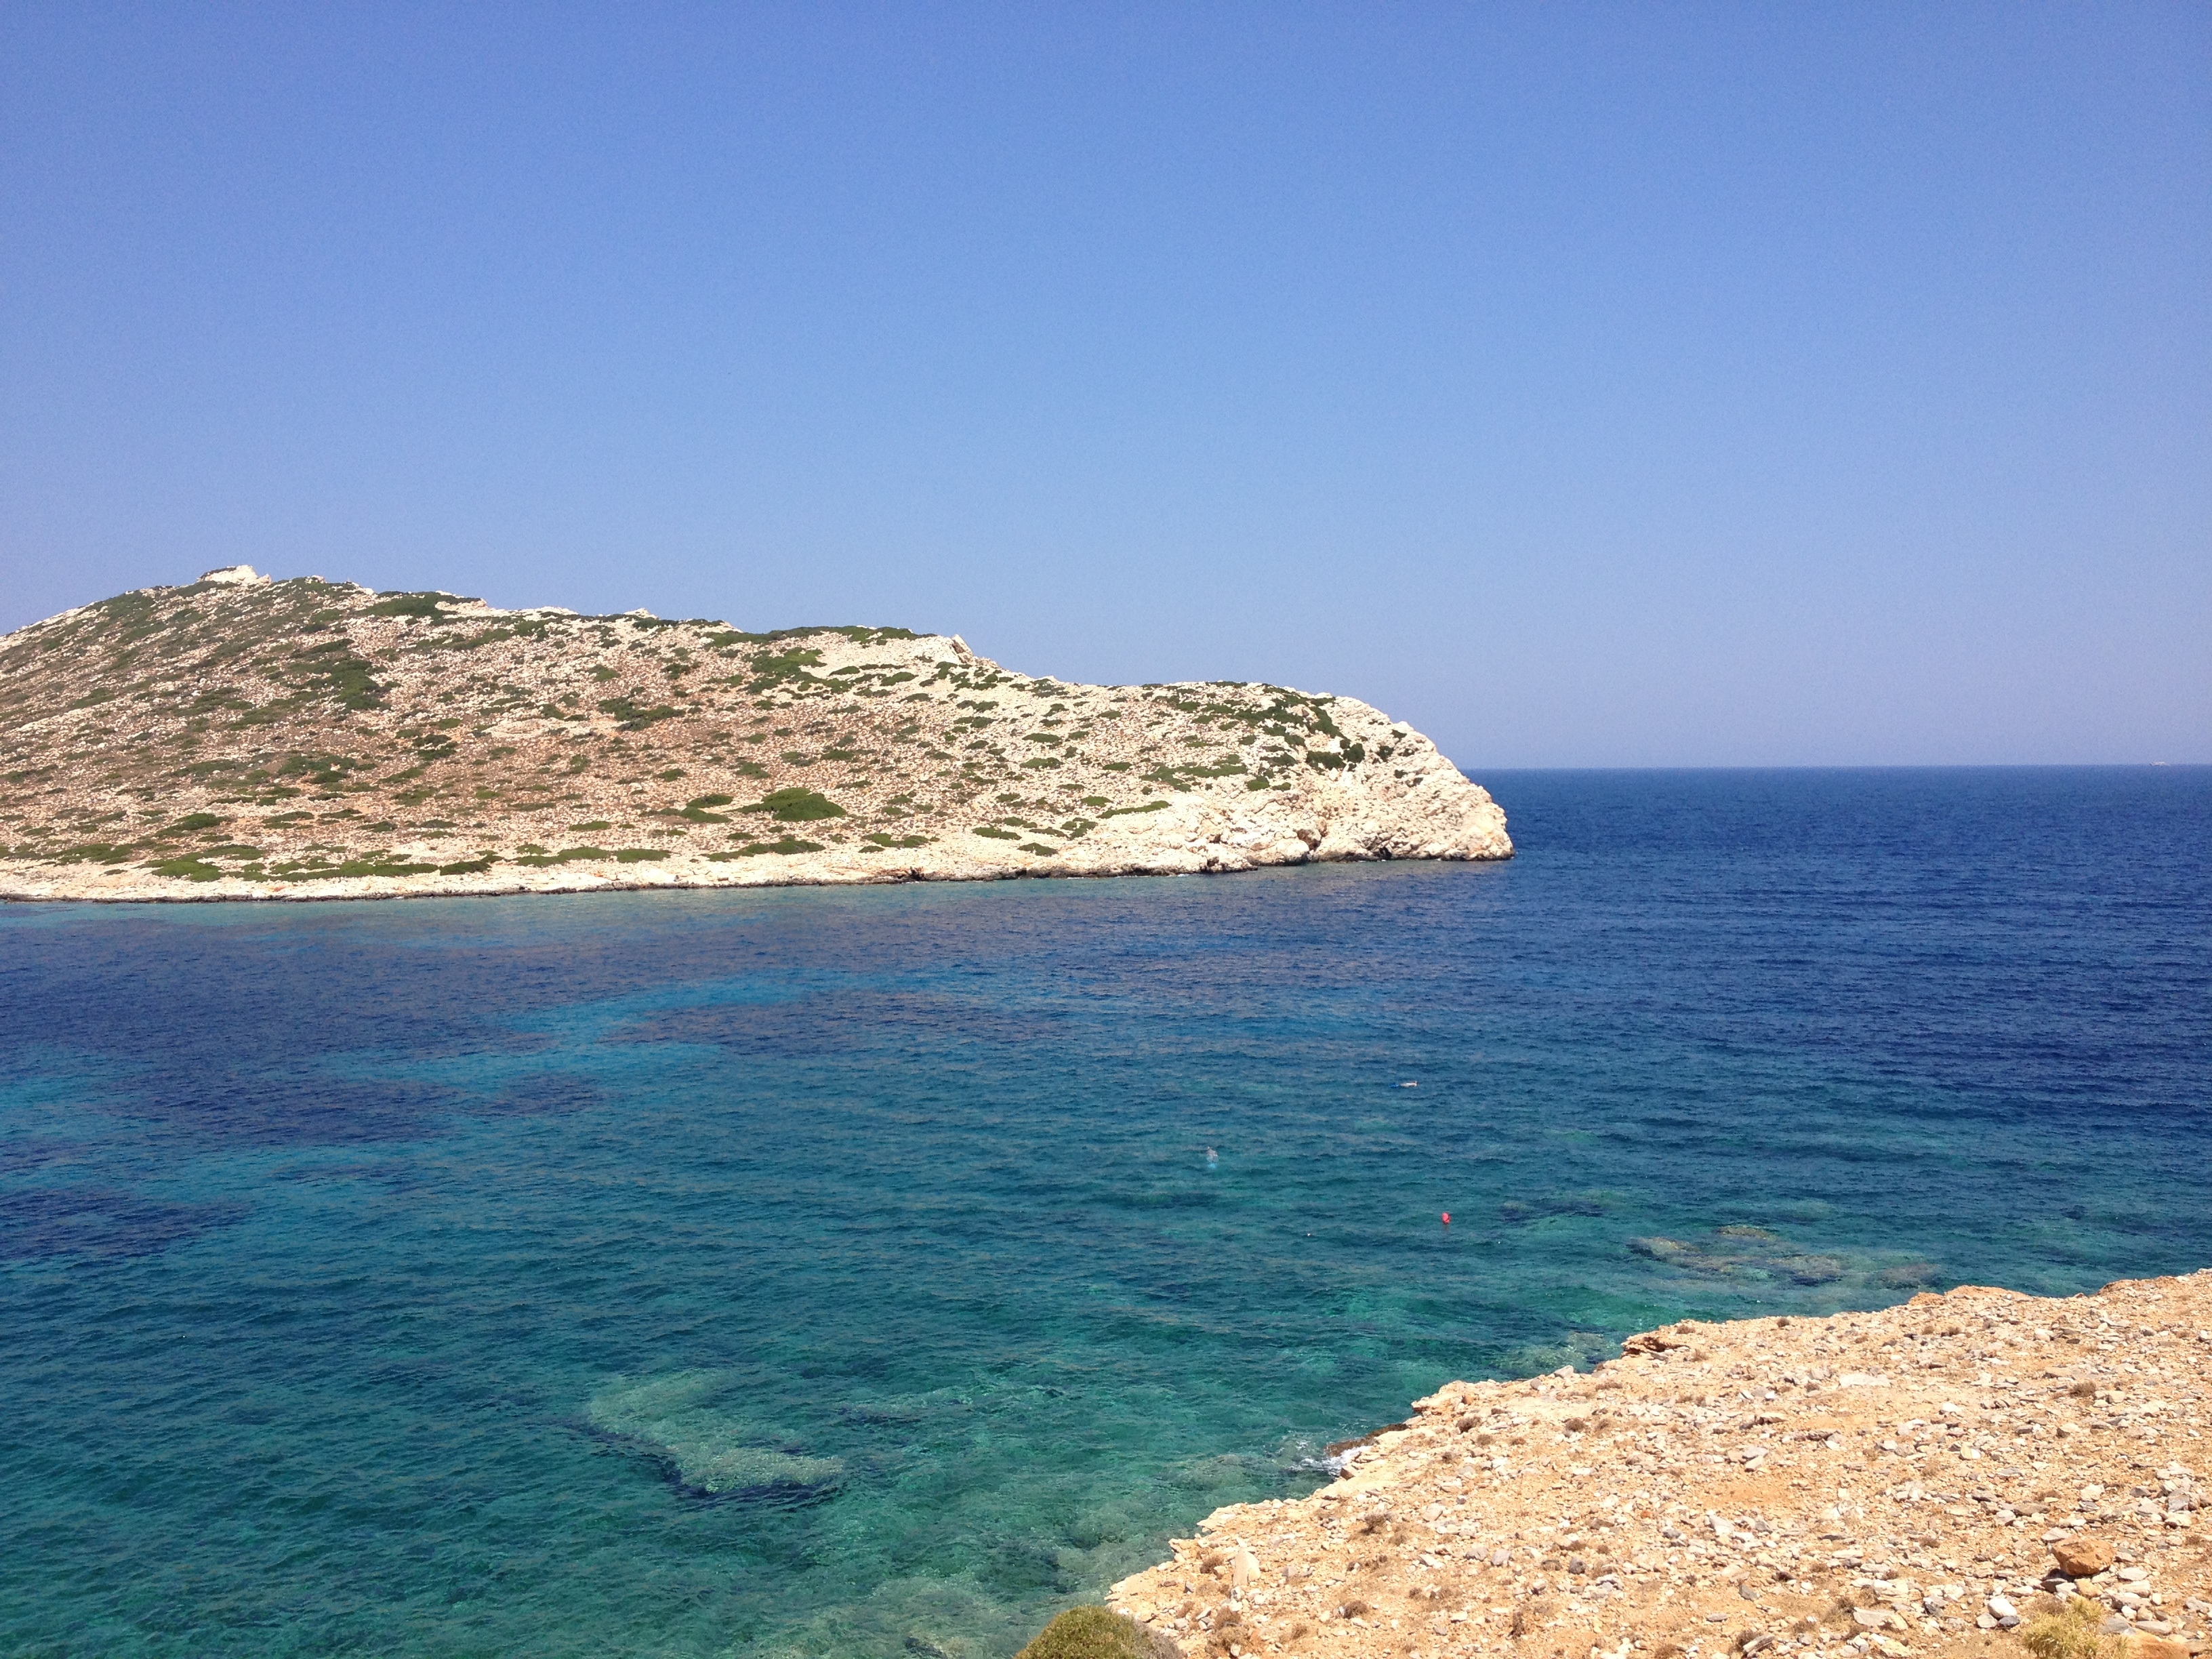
column 1447, row 1218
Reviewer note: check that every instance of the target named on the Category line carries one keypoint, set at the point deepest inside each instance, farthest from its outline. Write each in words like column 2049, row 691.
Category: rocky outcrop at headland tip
column 239, row 737
column 1977, row 1472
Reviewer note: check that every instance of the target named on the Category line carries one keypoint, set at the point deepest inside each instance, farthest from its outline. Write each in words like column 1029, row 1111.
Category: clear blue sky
column 1630, row 385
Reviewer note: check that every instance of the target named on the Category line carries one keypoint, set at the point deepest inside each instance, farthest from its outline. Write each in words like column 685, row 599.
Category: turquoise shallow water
column 842, row 1271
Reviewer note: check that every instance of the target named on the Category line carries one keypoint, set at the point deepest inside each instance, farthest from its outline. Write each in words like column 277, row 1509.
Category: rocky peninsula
column 239, row 737
column 1980, row 1473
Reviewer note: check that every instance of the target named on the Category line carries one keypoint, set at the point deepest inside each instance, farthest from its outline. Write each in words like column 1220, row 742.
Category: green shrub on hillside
column 788, row 846
column 631, row 717
column 796, row 806
column 567, row 855
column 1096, row 1633
column 190, row 869
column 2071, row 1633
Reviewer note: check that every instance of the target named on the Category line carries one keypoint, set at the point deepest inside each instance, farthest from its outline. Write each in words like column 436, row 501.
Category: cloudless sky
column 1589, row 384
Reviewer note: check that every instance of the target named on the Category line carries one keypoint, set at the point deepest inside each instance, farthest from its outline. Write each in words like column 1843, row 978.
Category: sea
column 875, row 1271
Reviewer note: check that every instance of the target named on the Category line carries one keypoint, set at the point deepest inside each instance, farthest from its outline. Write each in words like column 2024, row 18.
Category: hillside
column 1980, row 1473
column 243, row 737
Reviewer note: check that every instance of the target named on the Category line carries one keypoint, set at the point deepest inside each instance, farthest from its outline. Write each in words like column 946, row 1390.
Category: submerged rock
column 1760, row 1253
column 709, row 1449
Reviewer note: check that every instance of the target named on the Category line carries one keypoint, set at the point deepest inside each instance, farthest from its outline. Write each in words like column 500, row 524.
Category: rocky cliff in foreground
column 242, row 738
column 1982, row 1473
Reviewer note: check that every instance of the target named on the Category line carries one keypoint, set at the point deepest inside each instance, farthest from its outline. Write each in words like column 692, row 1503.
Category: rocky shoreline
column 243, row 738
column 1949, row 1476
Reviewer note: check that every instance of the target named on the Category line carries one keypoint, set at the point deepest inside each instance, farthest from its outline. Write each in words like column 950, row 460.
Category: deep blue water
column 835, row 1271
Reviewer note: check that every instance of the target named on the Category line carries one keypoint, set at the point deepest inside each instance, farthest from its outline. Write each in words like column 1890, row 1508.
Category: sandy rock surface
column 241, row 737
column 1917, row 1480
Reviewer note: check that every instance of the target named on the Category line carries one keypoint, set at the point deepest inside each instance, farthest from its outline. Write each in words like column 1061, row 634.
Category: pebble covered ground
column 239, row 737
column 1924, row 1479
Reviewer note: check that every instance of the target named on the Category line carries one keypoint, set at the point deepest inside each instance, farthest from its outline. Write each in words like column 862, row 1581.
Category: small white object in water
column 1409, row 1086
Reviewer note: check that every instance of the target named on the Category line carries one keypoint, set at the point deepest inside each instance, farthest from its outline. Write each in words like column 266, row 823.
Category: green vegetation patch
column 784, row 668
column 330, row 669
column 786, row 845
column 317, row 771
column 995, row 833
column 316, row 868
column 885, row 838
column 796, row 806
column 396, row 603
column 697, row 811
column 580, row 855
column 2072, row 1631
column 567, row 854
column 727, row 638
column 90, row 852
column 1096, row 1633
column 630, row 717
column 1179, row 775
column 188, row 869
column 527, row 629
column 1124, row 811
column 135, row 612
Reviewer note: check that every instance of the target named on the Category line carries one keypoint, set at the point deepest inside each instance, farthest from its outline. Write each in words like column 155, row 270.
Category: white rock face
column 235, row 576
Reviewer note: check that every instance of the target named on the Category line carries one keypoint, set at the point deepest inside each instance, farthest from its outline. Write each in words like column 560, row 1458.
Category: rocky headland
column 241, row 737
column 1978, row 1473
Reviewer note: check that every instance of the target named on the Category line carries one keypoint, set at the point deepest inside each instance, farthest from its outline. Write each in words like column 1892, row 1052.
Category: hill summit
column 243, row 737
